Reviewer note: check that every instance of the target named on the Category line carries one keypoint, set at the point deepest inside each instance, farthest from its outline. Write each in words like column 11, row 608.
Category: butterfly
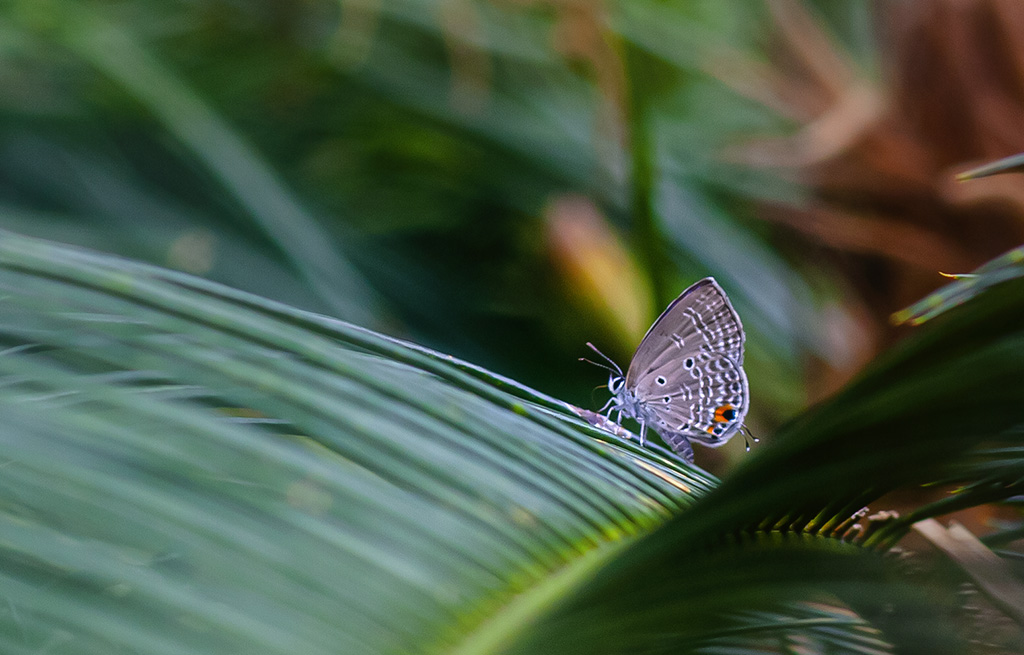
column 686, row 378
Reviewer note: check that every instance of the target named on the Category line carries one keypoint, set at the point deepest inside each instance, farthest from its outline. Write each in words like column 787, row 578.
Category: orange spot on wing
column 720, row 413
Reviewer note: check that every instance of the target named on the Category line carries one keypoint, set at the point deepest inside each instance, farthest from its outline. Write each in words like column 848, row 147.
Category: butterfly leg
column 643, row 433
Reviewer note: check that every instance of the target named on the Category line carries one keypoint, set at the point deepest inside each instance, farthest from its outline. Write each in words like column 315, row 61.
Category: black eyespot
column 660, row 380
column 667, row 399
column 729, row 414
column 688, row 363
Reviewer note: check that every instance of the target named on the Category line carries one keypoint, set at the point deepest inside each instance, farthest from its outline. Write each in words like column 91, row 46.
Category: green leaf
column 702, row 600
column 1007, row 266
column 190, row 466
column 927, row 408
column 1011, row 164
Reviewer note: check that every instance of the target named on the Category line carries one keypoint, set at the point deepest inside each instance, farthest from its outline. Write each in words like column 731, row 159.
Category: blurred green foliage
column 391, row 162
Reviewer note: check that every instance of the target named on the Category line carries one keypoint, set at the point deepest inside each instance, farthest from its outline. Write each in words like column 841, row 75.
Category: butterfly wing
column 688, row 370
column 706, row 403
column 701, row 319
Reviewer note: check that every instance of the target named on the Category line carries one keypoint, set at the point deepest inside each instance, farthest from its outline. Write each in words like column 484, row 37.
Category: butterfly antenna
column 606, row 358
column 604, row 366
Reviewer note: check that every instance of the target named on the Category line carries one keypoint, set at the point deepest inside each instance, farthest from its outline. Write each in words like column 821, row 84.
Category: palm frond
column 716, row 597
column 247, row 476
column 1011, row 164
column 239, row 427
column 905, row 422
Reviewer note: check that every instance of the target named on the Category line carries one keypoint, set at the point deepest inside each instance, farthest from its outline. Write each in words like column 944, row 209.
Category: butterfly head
column 616, row 383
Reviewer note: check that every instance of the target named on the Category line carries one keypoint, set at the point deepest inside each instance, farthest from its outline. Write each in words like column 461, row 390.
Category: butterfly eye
column 615, row 384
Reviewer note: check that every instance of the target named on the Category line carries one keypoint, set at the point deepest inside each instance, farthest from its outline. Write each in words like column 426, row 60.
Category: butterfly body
column 686, row 379
column 626, row 403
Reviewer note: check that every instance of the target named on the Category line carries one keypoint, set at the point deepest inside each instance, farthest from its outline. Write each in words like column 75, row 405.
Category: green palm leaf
column 190, row 468
column 930, row 411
